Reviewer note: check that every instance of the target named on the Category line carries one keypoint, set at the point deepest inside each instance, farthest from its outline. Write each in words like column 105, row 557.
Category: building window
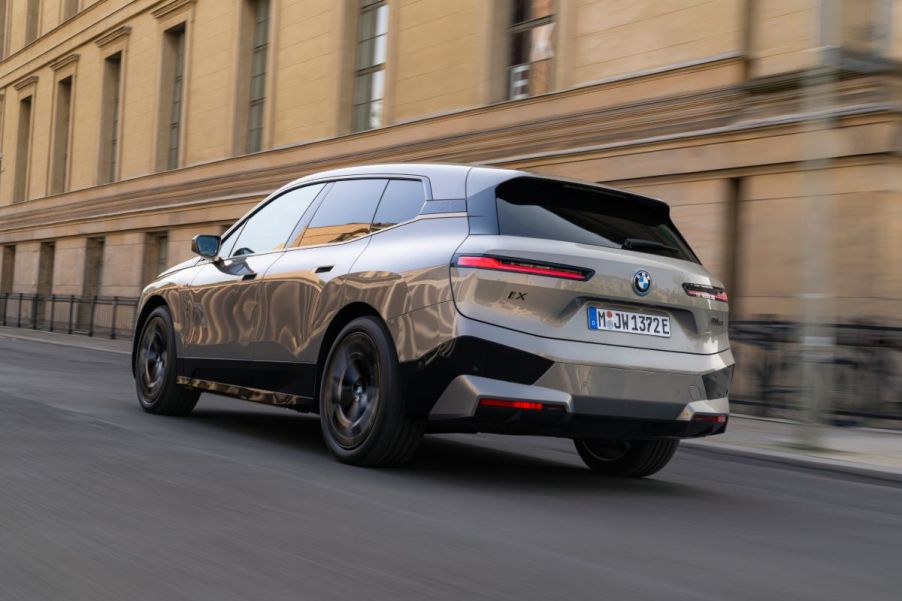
column 23, row 150
column 70, row 9
column 156, row 256
column 109, row 128
column 172, row 96
column 257, row 92
column 532, row 48
column 369, row 76
column 8, row 269
column 59, row 158
column 32, row 13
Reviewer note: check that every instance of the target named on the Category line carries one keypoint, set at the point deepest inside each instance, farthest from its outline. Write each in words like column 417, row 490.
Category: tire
column 362, row 413
column 633, row 458
column 155, row 368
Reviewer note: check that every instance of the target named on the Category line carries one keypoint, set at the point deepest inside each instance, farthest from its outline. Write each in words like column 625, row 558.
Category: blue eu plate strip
column 593, row 318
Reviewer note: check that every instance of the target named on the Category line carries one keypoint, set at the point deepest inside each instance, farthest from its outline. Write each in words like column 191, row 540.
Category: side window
column 269, row 228
column 401, row 202
column 345, row 213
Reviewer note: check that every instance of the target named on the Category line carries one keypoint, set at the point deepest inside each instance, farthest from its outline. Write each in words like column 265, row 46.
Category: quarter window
column 268, row 229
column 346, row 212
column 401, row 202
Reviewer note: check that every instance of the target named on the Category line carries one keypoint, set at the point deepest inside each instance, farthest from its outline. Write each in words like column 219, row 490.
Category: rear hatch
column 584, row 263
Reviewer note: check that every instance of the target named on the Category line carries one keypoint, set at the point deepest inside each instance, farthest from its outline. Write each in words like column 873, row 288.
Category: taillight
column 528, row 405
column 707, row 292
column 521, row 266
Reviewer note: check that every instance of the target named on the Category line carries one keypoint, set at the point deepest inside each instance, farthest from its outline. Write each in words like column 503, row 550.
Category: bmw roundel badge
column 641, row 282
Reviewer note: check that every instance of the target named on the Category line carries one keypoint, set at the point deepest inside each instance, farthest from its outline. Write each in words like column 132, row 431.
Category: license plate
column 629, row 322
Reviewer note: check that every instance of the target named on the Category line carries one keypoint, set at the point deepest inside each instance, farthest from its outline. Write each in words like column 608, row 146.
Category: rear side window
column 268, row 229
column 401, row 202
column 539, row 208
column 345, row 213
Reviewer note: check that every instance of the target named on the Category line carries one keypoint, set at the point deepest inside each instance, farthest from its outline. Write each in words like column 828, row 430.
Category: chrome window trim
column 369, row 234
column 427, row 189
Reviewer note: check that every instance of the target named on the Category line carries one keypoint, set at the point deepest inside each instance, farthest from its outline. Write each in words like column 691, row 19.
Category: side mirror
column 205, row 245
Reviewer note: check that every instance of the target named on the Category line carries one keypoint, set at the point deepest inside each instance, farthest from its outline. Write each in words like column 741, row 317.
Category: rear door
column 588, row 264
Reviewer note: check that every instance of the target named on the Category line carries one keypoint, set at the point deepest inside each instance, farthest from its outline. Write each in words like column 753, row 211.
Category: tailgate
column 559, row 307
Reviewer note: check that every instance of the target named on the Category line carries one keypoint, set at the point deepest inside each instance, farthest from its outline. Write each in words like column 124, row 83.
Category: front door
column 223, row 305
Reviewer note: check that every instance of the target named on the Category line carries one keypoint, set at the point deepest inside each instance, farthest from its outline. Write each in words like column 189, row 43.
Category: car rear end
column 610, row 324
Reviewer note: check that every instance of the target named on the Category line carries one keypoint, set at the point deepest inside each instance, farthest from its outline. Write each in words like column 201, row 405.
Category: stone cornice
column 64, row 62
column 25, row 82
column 557, row 127
column 167, row 7
column 113, row 35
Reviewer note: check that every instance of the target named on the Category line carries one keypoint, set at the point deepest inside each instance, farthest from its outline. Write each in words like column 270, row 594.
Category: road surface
column 99, row 500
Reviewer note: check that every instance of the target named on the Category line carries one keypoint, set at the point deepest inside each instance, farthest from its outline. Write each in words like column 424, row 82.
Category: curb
column 46, row 340
column 822, row 464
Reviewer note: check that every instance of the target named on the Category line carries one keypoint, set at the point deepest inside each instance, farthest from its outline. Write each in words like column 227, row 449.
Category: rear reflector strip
column 528, row 405
column 707, row 292
column 519, row 266
column 714, row 419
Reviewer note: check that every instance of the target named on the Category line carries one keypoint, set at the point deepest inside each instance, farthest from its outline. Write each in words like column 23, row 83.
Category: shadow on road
column 440, row 459
column 459, row 462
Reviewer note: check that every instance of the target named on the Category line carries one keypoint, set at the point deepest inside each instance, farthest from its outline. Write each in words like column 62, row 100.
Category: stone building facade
column 770, row 126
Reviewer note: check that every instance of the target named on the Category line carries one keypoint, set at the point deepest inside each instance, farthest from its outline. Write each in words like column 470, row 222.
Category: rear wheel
column 362, row 414
column 633, row 458
column 155, row 374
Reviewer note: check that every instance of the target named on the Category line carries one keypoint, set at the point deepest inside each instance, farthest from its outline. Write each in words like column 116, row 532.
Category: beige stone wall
column 211, row 89
column 774, row 242
column 618, row 37
column 26, row 274
column 69, row 266
column 122, row 274
column 783, row 35
column 311, row 39
column 647, row 95
column 438, row 57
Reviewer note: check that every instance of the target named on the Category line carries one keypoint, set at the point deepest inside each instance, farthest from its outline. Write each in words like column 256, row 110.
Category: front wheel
column 632, row 458
column 362, row 414
column 155, row 373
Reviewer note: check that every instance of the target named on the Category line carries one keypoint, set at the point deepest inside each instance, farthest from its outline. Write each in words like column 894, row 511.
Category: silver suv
column 395, row 300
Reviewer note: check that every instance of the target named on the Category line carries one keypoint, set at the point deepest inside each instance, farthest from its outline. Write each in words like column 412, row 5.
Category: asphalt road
column 99, row 500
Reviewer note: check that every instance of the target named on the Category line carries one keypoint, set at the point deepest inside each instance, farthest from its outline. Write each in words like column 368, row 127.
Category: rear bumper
column 503, row 421
column 584, row 389
column 562, row 413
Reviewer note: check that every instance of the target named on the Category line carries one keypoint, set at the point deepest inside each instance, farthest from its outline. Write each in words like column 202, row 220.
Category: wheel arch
column 147, row 308
column 346, row 315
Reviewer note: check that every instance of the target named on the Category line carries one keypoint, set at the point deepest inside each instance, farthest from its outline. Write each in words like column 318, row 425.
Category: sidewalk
column 78, row 341
column 859, row 451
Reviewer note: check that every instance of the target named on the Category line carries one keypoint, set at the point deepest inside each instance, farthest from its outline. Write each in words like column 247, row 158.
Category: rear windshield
column 540, row 208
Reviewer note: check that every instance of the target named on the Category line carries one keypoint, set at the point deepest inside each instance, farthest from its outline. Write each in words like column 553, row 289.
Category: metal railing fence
column 111, row 316
column 865, row 363
column 864, row 372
